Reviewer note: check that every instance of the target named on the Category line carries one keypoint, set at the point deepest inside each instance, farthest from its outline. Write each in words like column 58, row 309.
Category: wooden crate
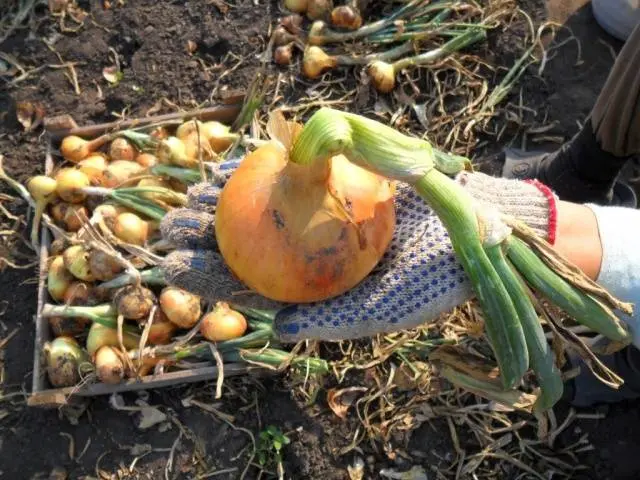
column 42, row 395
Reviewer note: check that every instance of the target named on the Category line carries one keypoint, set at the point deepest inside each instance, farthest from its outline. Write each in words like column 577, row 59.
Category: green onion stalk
column 185, row 175
column 134, row 198
column 150, row 276
column 383, row 74
column 256, row 347
column 511, row 322
column 105, row 314
column 413, row 30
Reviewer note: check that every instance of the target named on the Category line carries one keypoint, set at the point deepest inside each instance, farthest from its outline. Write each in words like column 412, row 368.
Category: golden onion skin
column 302, row 234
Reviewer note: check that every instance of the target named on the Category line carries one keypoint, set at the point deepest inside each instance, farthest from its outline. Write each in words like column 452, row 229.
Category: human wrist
column 617, row 229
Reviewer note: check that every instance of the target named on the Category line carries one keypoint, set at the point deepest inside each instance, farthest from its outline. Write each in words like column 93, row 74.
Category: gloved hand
column 417, row 279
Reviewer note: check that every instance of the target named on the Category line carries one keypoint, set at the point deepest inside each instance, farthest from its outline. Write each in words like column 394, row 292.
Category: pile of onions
column 108, row 197
column 308, row 232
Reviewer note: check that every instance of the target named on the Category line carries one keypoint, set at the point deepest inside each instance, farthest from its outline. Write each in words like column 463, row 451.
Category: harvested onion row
column 320, row 34
column 316, row 62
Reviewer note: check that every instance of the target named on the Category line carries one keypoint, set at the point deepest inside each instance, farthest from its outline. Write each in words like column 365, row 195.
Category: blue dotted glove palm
column 418, row 278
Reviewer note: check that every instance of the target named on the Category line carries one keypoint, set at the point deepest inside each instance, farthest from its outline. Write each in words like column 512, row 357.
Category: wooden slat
column 222, row 113
column 63, row 396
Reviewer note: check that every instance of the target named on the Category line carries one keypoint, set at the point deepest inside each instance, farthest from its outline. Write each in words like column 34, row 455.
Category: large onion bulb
column 308, row 232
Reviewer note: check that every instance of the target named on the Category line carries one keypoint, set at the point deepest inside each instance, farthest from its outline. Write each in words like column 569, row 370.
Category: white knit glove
column 418, row 278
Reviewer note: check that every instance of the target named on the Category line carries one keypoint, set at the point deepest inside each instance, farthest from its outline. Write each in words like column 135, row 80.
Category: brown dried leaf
column 468, row 364
column 30, row 115
column 486, row 388
column 340, row 400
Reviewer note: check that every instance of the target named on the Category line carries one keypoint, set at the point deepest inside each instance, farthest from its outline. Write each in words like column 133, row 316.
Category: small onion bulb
column 297, row 6
column 181, row 307
column 317, row 33
column 67, row 326
column 42, row 188
column 223, row 324
column 194, row 145
column 69, row 215
column 121, row 149
column 130, row 228
column 219, row 135
column 69, row 185
column 103, row 266
column 63, row 357
column 74, row 148
column 76, row 260
column 93, row 167
column 99, row 336
column 187, row 128
column 58, row 279
column 146, row 160
column 292, row 23
column 282, row 37
column 346, row 17
column 120, row 172
column 282, row 55
column 383, row 76
column 78, row 293
column 109, row 212
column 161, row 330
column 173, row 151
column 319, row 9
column 315, row 62
column 109, row 366
column 134, row 302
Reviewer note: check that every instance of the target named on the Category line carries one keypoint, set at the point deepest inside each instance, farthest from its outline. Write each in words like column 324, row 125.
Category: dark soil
column 150, row 38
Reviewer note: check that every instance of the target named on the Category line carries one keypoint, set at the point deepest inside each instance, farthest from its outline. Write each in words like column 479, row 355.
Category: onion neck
column 303, row 175
column 367, row 143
